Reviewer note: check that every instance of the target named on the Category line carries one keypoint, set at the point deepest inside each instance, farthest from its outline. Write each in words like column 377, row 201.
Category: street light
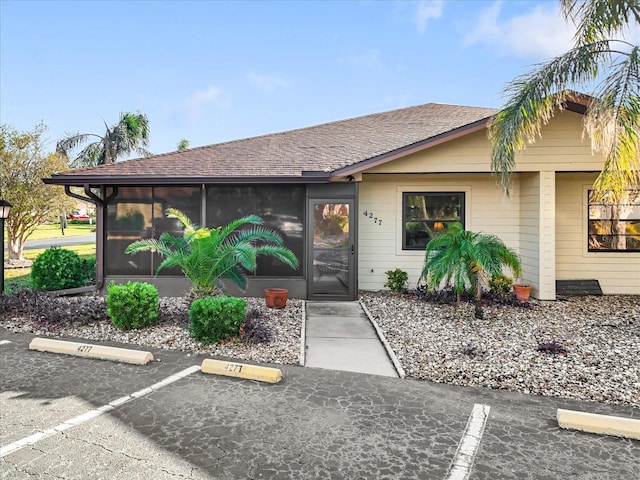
column 5, row 208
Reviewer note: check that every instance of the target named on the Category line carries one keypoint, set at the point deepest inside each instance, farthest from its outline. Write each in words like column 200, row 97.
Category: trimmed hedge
column 132, row 305
column 214, row 319
column 57, row 269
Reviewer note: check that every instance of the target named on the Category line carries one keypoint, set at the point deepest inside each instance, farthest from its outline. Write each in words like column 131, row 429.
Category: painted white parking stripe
column 468, row 446
column 36, row 437
column 5, row 342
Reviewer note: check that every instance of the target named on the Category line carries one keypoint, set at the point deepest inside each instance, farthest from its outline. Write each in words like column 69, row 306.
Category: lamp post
column 5, row 207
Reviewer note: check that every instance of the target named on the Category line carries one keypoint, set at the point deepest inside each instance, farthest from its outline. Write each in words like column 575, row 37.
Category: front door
column 331, row 269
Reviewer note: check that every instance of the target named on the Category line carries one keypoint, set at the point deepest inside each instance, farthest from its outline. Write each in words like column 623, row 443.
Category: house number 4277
column 376, row 220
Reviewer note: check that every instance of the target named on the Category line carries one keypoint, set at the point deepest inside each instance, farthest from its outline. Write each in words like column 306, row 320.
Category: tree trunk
column 618, row 229
column 15, row 248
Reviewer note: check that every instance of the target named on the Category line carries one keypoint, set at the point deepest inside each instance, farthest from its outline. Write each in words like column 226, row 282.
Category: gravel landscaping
column 585, row 348
column 283, row 326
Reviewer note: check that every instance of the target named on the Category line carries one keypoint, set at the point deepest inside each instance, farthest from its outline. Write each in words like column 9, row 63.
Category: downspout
column 101, row 207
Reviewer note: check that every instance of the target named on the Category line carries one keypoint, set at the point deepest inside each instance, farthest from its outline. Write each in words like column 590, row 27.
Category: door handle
column 353, row 250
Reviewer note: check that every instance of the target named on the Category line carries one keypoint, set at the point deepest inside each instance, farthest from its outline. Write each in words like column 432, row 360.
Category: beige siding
column 544, row 219
column 561, row 148
column 529, row 229
column 618, row 273
column 380, row 245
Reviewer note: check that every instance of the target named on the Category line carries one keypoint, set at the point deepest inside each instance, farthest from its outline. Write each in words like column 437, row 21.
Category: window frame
column 434, row 193
column 589, row 219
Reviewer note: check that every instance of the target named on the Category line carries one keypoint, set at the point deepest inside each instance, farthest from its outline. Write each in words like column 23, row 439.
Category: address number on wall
column 371, row 215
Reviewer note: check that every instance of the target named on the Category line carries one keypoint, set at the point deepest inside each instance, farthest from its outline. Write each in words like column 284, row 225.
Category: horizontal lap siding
column 618, row 273
column 380, row 246
column 530, row 228
column 561, row 148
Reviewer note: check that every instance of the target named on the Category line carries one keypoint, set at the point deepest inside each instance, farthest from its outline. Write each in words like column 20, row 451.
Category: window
column 138, row 212
column 615, row 228
column 426, row 214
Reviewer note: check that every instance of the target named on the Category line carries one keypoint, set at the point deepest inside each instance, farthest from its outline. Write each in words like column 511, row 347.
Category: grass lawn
column 53, row 231
column 21, row 277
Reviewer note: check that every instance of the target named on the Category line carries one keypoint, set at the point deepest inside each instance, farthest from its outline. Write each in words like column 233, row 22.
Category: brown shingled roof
column 330, row 147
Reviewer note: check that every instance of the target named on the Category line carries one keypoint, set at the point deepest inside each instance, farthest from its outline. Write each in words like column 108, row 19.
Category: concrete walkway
column 339, row 336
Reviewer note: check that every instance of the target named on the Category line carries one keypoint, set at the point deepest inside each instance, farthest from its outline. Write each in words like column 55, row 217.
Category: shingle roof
column 322, row 148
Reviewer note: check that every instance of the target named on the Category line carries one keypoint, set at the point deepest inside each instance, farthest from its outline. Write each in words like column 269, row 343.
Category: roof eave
column 81, row 180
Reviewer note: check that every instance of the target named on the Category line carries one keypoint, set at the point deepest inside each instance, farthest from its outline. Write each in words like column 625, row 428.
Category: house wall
column 380, row 244
column 618, row 273
column 544, row 219
column 560, row 148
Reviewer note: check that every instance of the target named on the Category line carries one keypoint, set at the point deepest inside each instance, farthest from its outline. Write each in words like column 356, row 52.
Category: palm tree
column 612, row 120
column 466, row 260
column 208, row 255
column 130, row 134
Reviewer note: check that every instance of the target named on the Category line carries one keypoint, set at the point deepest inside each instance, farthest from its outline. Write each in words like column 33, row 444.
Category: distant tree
column 600, row 57
column 130, row 134
column 22, row 167
column 183, row 144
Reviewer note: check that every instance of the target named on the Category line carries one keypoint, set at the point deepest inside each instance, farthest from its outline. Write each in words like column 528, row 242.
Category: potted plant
column 522, row 291
column 276, row 297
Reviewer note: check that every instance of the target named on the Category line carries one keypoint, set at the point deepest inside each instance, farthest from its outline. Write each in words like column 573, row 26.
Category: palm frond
column 613, row 124
column 283, row 254
column 227, row 230
column 465, row 260
column 600, row 19
column 182, row 218
column 146, row 244
column 72, row 141
column 533, row 99
column 91, row 156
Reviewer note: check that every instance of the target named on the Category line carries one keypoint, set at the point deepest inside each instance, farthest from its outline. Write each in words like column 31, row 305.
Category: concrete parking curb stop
column 125, row 355
column 602, row 424
column 385, row 343
column 241, row 370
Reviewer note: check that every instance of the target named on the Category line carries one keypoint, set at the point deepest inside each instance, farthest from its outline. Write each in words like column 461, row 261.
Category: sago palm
column 130, row 134
column 466, row 260
column 600, row 57
column 207, row 255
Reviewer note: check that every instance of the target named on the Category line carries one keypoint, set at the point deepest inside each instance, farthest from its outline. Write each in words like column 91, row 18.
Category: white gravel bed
column 447, row 344
column 172, row 333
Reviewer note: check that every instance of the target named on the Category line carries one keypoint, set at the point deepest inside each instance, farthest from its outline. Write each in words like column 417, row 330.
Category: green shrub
column 215, row 318
column 396, row 279
column 89, row 269
column 82, row 221
column 57, row 269
column 132, row 305
column 501, row 284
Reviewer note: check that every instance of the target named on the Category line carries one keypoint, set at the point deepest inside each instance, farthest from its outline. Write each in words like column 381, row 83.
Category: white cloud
column 267, row 83
column 540, row 33
column 427, row 10
column 194, row 104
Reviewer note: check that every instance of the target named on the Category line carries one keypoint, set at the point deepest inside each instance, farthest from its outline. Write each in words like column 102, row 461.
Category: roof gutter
column 100, row 204
column 409, row 149
column 108, row 180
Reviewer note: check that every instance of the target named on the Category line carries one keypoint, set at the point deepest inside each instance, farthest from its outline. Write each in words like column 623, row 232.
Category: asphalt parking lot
column 314, row 424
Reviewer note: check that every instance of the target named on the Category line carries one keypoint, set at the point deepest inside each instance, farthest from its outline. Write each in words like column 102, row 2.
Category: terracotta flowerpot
column 522, row 291
column 276, row 297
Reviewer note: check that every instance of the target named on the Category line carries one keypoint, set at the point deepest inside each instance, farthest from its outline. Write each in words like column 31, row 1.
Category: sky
column 214, row 71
